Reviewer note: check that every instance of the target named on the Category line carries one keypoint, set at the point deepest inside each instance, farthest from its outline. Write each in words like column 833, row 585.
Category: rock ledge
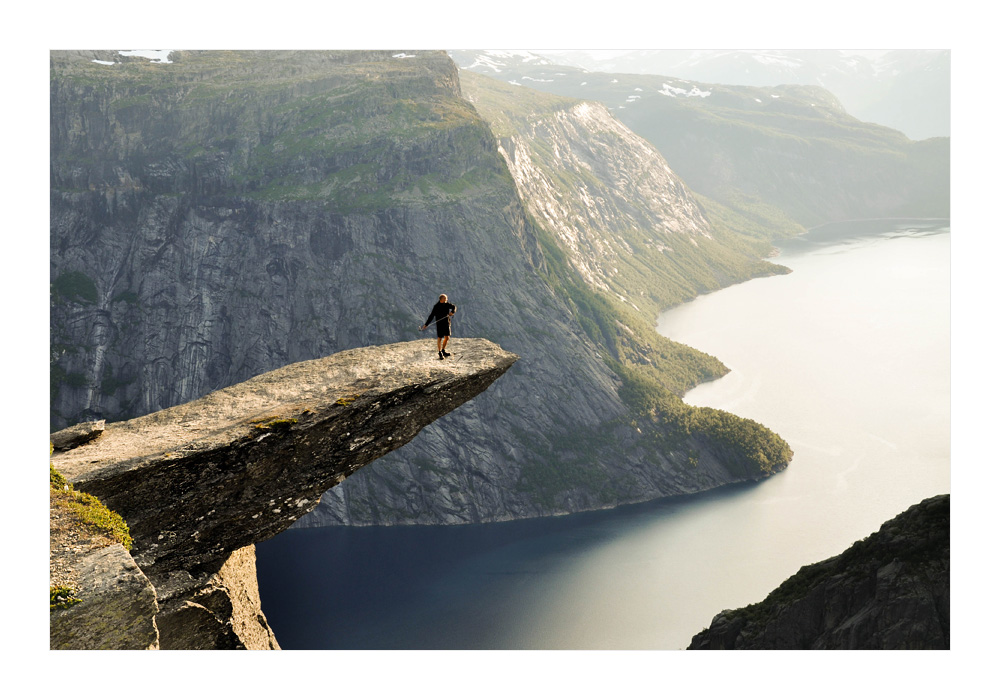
column 201, row 482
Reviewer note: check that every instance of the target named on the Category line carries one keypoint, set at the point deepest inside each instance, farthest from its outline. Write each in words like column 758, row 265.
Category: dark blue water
column 438, row 587
column 847, row 358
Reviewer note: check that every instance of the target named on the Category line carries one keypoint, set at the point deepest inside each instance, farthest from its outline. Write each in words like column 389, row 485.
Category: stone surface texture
column 242, row 463
column 215, row 608
column 76, row 435
column 117, row 610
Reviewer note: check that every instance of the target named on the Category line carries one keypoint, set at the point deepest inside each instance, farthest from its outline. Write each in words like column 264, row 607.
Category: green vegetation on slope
column 62, row 597
column 88, row 511
column 653, row 272
column 508, row 108
column 791, row 147
column 748, row 224
column 656, row 372
column 358, row 131
column 81, row 518
column 643, row 256
column 795, row 154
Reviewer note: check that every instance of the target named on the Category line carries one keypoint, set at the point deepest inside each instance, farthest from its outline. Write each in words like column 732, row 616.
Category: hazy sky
column 599, row 54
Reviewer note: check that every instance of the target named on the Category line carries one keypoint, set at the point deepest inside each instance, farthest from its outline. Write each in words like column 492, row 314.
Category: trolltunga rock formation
column 200, row 483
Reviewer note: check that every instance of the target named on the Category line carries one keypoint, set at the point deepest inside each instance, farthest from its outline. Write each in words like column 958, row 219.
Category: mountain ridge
column 908, row 90
column 792, row 147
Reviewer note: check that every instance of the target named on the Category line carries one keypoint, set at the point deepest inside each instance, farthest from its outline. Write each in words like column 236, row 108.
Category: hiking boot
column 446, row 354
column 440, row 354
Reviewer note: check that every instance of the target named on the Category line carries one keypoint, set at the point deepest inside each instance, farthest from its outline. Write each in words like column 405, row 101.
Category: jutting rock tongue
column 243, row 463
column 200, row 483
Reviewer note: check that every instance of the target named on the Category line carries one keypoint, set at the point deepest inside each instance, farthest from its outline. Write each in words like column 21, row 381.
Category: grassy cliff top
column 78, row 524
column 354, row 129
column 240, row 68
column 501, row 103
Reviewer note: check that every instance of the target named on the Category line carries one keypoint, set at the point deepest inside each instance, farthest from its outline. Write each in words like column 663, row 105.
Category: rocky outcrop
column 888, row 591
column 201, row 482
column 117, row 609
column 76, row 435
column 214, row 607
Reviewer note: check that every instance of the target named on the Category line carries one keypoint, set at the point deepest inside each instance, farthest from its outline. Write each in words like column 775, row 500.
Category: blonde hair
column 443, row 296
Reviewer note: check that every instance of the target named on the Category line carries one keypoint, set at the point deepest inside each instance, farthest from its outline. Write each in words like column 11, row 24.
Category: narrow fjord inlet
column 847, row 358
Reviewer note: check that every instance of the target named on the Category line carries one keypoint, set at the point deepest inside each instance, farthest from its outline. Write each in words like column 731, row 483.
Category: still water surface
column 847, row 358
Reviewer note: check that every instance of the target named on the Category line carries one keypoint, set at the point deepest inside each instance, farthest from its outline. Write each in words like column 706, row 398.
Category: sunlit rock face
column 117, row 609
column 200, row 483
column 242, row 463
column 626, row 203
column 625, row 221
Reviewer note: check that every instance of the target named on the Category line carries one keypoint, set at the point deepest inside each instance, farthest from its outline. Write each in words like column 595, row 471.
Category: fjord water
column 847, row 358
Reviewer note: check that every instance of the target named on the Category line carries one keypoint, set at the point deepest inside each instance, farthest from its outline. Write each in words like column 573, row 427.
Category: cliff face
column 200, row 483
column 888, row 591
column 233, row 212
column 627, row 224
column 208, row 226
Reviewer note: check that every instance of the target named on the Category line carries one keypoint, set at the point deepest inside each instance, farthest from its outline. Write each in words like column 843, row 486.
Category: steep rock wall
column 627, row 224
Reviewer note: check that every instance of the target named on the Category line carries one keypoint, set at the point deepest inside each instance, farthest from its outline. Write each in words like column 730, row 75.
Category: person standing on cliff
column 442, row 311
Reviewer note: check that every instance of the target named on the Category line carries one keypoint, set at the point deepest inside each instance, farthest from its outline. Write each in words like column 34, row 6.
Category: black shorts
column 444, row 328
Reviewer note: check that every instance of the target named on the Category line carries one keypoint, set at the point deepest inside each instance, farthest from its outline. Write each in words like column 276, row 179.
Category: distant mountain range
column 908, row 90
column 790, row 150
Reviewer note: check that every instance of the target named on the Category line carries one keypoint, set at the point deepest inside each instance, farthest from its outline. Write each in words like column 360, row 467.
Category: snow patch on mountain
column 671, row 91
column 154, row 55
column 498, row 61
